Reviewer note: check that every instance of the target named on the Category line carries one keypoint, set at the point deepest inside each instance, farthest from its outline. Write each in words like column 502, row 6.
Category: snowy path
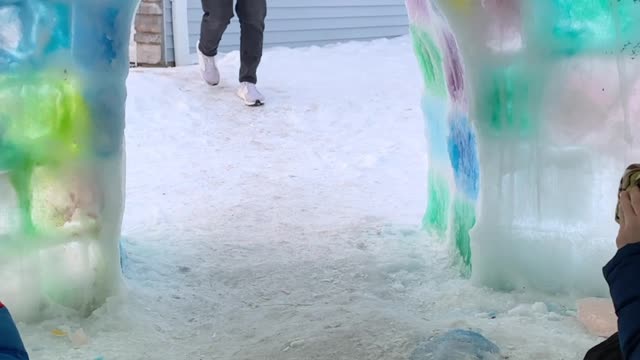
column 291, row 231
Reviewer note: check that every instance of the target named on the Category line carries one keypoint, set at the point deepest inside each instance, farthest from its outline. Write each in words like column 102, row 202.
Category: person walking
column 216, row 18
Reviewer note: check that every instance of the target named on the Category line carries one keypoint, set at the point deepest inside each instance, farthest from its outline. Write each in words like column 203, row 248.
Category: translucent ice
column 530, row 109
column 63, row 66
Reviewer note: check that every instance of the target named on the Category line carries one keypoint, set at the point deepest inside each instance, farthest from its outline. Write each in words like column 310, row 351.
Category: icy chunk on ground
column 457, row 345
column 598, row 316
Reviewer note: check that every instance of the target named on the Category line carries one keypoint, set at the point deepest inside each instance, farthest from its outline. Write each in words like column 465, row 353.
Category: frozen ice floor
column 291, row 231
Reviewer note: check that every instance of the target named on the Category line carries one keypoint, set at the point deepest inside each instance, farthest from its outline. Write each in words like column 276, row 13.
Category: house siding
column 295, row 23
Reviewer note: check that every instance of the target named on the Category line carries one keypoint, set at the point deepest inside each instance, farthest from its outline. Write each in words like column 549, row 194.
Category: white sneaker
column 208, row 68
column 250, row 94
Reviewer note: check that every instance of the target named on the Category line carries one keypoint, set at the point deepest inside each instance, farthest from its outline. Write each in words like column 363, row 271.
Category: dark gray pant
column 216, row 18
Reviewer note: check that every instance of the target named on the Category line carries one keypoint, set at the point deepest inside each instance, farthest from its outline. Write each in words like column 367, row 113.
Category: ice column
column 63, row 66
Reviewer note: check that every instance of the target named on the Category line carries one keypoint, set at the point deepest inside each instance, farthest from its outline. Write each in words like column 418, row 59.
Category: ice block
column 531, row 114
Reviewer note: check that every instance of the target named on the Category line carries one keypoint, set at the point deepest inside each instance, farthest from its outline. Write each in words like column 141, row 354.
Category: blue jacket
column 623, row 275
column 11, row 347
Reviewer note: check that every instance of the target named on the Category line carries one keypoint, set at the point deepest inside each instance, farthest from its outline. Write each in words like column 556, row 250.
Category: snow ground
column 291, row 231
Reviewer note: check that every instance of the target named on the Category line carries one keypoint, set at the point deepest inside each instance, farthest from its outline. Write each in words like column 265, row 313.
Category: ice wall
column 531, row 112
column 63, row 66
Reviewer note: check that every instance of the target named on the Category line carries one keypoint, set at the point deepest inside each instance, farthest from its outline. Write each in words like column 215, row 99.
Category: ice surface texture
column 63, row 66
column 531, row 108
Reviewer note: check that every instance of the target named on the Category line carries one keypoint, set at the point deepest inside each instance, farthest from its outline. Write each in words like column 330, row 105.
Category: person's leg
column 216, row 18
column 251, row 14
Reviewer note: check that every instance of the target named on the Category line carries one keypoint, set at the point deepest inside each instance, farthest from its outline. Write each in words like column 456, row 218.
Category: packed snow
column 291, row 231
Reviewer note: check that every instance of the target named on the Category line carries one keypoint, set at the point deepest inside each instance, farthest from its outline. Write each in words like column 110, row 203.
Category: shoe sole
column 208, row 83
column 255, row 104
